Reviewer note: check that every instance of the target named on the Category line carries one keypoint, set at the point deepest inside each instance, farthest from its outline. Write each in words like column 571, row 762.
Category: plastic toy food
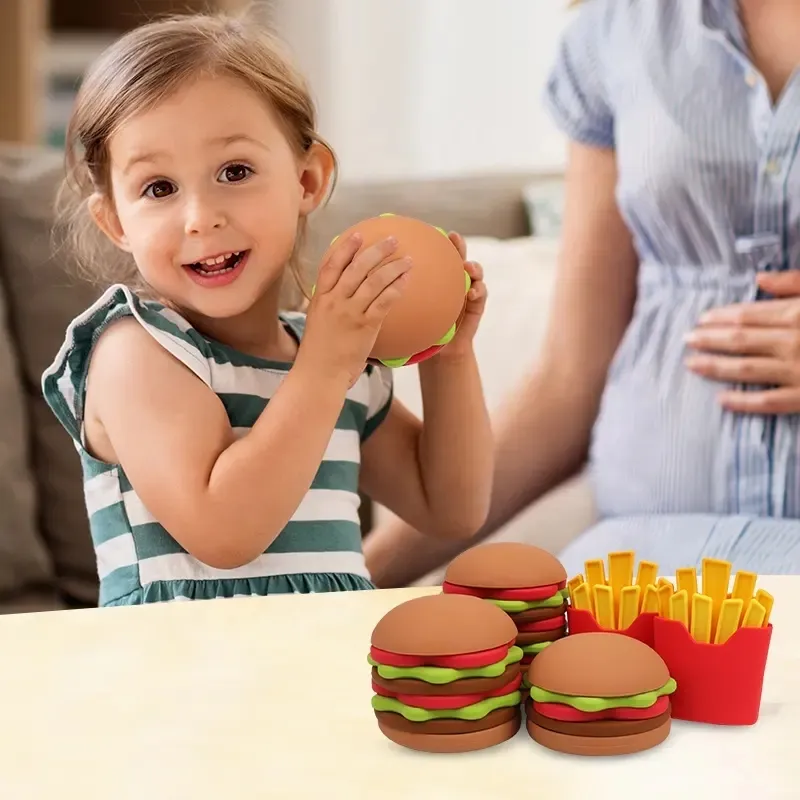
column 446, row 674
column 599, row 694
column 526, row 582
column 425, row 319
column 615, row 601
column 715, row 642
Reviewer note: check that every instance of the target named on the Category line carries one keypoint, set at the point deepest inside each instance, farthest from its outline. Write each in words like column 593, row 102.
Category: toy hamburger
column 446, row 676
column 427, row 315
column 599, row 694
column 526, row 582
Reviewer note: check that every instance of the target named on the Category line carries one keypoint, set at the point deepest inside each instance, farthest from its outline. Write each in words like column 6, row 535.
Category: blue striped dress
column 138, row 561
column 709, row 186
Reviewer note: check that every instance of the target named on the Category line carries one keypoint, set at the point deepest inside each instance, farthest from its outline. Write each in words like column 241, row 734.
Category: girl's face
column 206, row 195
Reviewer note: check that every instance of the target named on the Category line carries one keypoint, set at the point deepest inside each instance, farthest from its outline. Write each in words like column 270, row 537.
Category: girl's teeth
column 218, row 260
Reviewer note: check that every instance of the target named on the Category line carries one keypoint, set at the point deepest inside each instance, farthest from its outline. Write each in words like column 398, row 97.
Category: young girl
column 223, row 441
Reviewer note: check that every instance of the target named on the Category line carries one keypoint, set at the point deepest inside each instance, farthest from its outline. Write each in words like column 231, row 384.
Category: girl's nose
column 203, row 216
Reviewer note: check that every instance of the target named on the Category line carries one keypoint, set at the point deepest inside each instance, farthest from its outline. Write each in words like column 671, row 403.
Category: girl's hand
column 754, row 343
column 355, row 290
column 475, row 305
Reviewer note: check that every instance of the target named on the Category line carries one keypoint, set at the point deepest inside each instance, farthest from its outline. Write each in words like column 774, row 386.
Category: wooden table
column 270, row 698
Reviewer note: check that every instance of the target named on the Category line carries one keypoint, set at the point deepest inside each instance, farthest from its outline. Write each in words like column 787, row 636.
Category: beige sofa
column 46, row 558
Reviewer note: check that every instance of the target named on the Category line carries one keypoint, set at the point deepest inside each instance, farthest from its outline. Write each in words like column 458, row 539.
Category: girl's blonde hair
column 141, row 69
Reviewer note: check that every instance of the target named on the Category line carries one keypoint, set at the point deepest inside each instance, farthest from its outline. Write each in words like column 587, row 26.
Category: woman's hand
column 754, row 343
column 475, row 305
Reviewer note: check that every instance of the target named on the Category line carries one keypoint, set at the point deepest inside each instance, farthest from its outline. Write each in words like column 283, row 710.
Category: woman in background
column 672, row 360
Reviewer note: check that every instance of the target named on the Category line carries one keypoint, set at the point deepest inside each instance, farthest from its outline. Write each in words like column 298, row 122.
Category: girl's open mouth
column 219, row 271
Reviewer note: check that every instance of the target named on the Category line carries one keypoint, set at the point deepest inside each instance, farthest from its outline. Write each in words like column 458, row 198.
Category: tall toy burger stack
column 526, row 582
column 431, row 308
column 445, row 674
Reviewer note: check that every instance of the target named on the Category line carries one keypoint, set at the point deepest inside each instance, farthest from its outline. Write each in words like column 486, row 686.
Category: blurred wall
column 429, row 87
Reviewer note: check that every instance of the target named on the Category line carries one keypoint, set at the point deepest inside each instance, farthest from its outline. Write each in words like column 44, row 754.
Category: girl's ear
column 105, row 217
column 315, row 176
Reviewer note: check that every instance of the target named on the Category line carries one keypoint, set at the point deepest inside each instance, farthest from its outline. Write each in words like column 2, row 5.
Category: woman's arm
column 542, row 434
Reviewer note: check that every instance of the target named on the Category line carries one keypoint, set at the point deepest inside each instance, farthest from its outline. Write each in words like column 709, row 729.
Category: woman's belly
column 662, row 443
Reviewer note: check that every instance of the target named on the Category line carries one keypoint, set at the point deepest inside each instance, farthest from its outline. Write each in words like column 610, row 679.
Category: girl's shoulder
column 64, row 381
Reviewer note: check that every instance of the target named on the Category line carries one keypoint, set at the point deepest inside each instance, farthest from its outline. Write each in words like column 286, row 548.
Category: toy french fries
column 714, row 639
column 647, row 574
column 572, row 584
column 679, row 607
column 702, row 618
column 744, row 586
column 729, row 619
column 628, row 606
column 766, row 600
column 615, row 596
column 650, row 600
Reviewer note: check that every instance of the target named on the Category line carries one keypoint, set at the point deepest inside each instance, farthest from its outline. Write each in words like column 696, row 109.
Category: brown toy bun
column 505, row 565
column 620, row 666
column 599, row 745
column 443, row 624
column 598, row 694
column 456, row 742
column 446, row 675
column 528, row 583
column 435, row 290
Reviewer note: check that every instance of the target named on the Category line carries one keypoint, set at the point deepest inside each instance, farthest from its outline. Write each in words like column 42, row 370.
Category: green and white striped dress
column 319, row 550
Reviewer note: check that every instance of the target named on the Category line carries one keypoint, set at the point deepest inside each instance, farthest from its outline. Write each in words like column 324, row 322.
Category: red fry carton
column 582, row 621
column 718, row 684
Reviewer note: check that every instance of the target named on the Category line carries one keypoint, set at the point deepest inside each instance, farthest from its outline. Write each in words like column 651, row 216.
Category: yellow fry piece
column 620, row 570
column 628, row 605
column 665, row 582
column 679, row 607
column 729, row 618
column 595, row 572
column 665, row 592
column 686, row 578
column 573, row 584
column 604, row 606
column 716, row 579
column 744, row 586
column 766, row 600
column 754, row 615
column 650, row 600
column 701, row 618
column 582, row 598
column 647, row 574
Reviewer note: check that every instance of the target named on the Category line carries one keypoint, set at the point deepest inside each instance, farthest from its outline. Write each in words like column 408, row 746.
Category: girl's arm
column 226, row 499
column 542, row 434
column 436, row 476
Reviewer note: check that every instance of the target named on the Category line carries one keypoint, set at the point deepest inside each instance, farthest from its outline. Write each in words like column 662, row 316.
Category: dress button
column 773, row 167
column 750, row 78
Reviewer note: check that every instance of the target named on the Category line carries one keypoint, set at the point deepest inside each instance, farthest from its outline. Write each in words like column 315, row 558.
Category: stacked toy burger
column 426, row 317
column 445, row 675
column 526, row 582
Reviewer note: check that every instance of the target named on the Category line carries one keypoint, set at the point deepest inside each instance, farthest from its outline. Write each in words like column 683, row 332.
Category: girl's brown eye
column 159, row 189
column 236, row 173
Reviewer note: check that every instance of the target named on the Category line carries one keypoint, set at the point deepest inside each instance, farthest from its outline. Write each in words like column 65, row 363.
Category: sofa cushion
column 24, row 562
column 42, row 300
